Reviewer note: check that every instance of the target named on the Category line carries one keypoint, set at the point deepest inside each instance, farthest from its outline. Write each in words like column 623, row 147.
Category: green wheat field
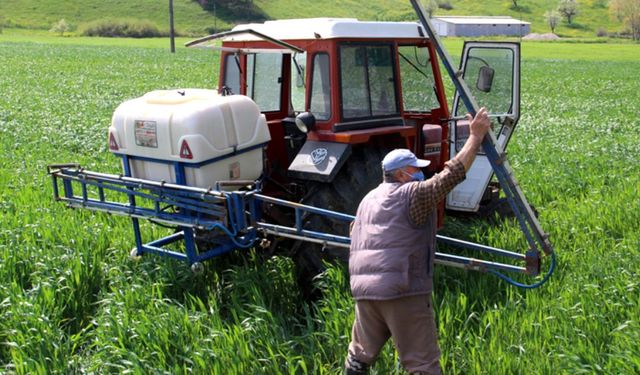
column 71, row 300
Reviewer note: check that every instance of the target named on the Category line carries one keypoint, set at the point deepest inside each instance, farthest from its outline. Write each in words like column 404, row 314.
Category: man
column 391, row 258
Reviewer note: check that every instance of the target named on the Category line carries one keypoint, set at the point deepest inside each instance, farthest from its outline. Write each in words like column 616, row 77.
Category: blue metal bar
column 190, row 245
column 143, row 213
column 163, row 252
column 132, row 202
column 192, row 205
column 312, row 209
column 207, row 195
column 56, row 193
column 84, row 192
column 68, row 189
column 167, row 240
column 475, row 246
column 227, row 247
column 298, row 212
column 209, row 208
column 218, row 250
column 304, row 232
column 477, row 264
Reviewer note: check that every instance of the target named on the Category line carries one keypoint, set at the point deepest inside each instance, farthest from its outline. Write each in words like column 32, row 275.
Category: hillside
column 191, row 18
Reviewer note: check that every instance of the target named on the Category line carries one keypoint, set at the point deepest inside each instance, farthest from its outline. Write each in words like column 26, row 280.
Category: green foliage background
column 190, row 18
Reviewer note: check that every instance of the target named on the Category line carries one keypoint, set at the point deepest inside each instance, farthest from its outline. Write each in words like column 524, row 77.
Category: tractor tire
column 360, row 174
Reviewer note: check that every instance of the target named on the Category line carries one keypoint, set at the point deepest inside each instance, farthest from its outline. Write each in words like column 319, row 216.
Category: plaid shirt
column 427, row 194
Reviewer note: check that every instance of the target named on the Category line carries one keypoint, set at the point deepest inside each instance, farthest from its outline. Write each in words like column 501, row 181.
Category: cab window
column 320, row 104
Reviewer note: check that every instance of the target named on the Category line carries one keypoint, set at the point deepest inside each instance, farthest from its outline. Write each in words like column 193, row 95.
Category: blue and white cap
column 401, row 157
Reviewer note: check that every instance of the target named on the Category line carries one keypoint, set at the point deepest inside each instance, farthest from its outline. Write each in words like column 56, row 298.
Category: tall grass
column 71, row 301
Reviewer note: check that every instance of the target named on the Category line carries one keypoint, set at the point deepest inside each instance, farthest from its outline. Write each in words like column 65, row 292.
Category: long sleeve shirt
column 426, row 195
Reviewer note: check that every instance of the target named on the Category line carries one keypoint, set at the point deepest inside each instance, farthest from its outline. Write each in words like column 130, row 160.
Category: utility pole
column 171, row 30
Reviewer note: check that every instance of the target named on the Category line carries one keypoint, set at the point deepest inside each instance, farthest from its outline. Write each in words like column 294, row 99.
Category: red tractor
column 294, row 137
column 338, row 94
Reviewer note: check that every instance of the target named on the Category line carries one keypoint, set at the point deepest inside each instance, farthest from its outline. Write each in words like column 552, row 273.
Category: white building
column 480, row 26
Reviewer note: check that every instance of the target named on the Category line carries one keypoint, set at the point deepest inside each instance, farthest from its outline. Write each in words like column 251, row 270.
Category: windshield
column 367, row 81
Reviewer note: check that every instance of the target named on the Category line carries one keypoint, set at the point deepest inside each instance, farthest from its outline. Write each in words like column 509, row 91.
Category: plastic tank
column 217, row 138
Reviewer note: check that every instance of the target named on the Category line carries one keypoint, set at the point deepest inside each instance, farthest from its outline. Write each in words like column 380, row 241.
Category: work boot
column 354, row 367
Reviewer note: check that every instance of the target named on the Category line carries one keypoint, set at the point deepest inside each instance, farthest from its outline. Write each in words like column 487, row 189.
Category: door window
column 298, row 87
column 491, row 71
column 320, row 105
column 232, row 73
column 264, row 80
column 418, row 84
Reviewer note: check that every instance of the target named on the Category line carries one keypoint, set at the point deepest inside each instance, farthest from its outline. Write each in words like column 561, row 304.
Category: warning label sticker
column 146, row 133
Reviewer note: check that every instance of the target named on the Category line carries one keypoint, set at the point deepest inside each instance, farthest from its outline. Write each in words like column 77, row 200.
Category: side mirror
column 305, row 122
column 485, row 79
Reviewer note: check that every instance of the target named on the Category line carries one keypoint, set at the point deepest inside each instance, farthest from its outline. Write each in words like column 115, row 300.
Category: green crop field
column 71, row 300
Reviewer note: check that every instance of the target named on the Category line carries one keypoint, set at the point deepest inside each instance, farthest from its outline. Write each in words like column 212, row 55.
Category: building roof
column 330, row 28
column 482, row 20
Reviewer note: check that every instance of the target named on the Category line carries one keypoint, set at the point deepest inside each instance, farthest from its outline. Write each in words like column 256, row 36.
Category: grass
column 71, row 300
column 191, row 19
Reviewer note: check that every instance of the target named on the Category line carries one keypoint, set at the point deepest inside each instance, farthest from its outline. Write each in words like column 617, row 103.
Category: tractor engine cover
column 215, row 137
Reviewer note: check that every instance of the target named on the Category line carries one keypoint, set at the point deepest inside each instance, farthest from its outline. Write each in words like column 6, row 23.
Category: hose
column 511, row 281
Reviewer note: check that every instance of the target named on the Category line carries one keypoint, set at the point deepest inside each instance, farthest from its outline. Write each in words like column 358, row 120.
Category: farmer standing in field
column 391, row 258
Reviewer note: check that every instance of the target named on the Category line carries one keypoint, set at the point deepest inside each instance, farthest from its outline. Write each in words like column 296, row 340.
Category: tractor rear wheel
column 360, row 174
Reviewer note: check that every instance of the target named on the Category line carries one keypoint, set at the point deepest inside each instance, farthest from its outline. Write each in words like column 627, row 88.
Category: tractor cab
column 346, row 82
column 331, row 88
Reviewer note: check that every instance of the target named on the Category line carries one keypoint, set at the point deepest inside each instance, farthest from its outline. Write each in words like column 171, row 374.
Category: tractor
column 283, row 150
column 338, row 94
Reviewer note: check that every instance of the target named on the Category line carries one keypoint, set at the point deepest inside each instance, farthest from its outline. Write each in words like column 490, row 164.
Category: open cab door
column 492, row 72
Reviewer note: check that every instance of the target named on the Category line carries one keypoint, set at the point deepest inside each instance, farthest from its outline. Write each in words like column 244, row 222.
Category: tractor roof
column 329, row 28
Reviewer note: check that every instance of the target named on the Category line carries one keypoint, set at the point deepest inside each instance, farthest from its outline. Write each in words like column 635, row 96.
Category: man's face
column 404, row 174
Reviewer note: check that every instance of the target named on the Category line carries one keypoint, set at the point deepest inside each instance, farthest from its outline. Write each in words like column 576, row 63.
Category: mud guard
column 319, row 161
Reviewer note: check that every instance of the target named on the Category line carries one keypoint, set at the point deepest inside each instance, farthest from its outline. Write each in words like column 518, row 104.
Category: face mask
column 417, row 176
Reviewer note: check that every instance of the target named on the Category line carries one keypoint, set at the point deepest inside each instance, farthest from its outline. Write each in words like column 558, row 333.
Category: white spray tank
column 216, row 137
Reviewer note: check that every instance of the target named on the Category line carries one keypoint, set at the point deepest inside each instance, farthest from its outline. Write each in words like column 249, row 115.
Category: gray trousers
column 409, row 321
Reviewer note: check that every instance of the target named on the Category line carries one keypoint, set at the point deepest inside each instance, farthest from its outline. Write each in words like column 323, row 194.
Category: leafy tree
column 60, row 27
column 627, row 11
column 569, row 9
column 431, row 7
column 552, row 17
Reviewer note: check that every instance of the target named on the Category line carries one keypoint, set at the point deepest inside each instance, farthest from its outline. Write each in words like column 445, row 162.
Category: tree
column 569, row 9
column 552, row 17
column 431, row 7
column 627, row 11
column 60, row 27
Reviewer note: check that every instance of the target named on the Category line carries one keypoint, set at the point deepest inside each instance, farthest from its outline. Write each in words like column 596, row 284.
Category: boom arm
column 536, row 237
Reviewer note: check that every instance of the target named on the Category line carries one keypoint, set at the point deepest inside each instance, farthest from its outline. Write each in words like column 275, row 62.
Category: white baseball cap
column 401, row 157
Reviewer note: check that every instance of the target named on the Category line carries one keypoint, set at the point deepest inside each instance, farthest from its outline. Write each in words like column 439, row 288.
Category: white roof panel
column 330, row 28
column 476, row 20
